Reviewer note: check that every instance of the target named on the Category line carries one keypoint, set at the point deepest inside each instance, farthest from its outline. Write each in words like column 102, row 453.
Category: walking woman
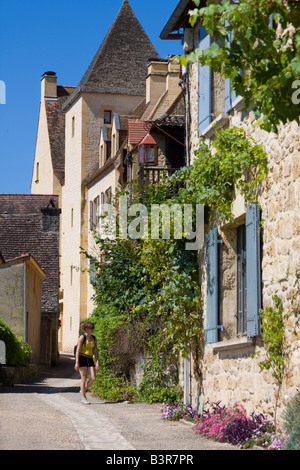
column 86, row 349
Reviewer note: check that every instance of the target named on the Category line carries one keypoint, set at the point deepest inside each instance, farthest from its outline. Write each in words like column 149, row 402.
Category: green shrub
column 111, row 383
column 291, row 418
column 294, row 440
column 18, row 353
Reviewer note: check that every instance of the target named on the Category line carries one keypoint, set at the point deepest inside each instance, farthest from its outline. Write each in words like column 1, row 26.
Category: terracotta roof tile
column 136, row 131
column 29, row 224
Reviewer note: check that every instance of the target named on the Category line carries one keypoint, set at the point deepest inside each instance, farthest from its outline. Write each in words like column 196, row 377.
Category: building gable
column 120, row 64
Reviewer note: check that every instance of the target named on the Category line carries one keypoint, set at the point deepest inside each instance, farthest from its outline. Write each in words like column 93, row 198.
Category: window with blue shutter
column 212, row 286
column 97, row 207
column 253, row 270
column 241, row 281
column 230, row 94
column 102, row 202
column 91, row 215
column 204, row 85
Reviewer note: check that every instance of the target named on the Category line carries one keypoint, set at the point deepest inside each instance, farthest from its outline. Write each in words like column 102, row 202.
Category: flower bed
column 230, row 425
column 177, row 410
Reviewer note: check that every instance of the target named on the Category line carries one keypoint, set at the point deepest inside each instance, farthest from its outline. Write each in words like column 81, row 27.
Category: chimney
column 173, row 77
column 156, row 80
column 49, row 86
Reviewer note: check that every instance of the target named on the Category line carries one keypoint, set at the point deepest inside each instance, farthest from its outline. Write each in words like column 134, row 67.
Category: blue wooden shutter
column 253, row 270
column 212, row 286
column 102, row 201
column 97, row 210
column 230, row 95
column 204, row 85
column 91, row 215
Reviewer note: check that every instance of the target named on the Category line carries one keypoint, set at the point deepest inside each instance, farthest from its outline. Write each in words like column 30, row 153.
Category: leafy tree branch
column 256, row 44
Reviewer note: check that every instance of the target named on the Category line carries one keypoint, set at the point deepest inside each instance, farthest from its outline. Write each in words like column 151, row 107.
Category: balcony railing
column 154, row 174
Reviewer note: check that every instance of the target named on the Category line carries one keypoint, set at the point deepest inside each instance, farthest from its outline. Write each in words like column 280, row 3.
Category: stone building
column 21, row 298
column 84, row 134
column 29, row 238
column 140, row 146
column 242, row 267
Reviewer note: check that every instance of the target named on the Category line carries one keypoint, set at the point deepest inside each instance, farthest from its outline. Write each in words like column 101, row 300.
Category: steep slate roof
column 56, row 126
column 120, row 64
column 25, row 230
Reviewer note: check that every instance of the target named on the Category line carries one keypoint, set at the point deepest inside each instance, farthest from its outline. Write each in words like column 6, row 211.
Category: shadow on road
column 45, row 383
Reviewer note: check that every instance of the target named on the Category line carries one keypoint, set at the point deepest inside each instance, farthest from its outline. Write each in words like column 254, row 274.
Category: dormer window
column 103, row 146
column 148, row 151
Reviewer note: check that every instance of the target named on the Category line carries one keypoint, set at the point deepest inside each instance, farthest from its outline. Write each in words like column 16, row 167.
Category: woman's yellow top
column 87, row 348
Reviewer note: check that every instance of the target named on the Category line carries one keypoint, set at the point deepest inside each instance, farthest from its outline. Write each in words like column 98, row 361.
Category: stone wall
column 12, row 297
column 229, row 373
column 9, row 376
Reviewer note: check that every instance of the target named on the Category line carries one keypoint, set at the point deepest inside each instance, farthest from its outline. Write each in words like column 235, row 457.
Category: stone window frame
column 107, row 116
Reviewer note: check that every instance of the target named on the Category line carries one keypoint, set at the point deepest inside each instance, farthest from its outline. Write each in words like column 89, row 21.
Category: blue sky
column 64, row 35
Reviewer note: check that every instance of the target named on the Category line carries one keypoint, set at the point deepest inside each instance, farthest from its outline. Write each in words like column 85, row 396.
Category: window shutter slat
column 212, row 286
column 253, row 270
column 102, row 204
column 91, row 215
column 204, row 85
column 227, row 94
column 230, row 95
column 97, row 210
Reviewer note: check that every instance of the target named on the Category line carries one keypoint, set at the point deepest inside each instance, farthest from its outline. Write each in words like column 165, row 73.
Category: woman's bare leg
column 83, row 373
column 92, row 377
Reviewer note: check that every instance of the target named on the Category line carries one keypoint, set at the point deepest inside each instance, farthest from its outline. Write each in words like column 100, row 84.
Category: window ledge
column 214, row 126
column 223, row 118
column 238, row 104
column 238, row 343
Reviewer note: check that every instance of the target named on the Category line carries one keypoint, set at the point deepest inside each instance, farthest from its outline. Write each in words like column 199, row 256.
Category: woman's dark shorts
column 85, row 361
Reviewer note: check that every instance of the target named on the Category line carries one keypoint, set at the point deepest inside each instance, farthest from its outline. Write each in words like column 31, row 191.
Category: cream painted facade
column 42, row 176
column 91, row 175
column 45, row 174
column 93, row 154
column 84, row 119
column 72, row 220
column 97, row 196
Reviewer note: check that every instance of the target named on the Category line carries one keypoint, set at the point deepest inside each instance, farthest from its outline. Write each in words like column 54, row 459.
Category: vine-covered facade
column 247, row 260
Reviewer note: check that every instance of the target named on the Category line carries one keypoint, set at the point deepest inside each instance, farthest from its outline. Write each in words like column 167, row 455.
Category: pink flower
column 131, row 307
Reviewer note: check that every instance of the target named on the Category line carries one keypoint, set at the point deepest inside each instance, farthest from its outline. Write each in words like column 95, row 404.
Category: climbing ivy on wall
column 150, row 287
column 256, row 44
column 234, row 162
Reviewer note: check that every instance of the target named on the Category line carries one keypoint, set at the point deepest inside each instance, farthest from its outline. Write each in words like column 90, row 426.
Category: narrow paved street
column 48, row 415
